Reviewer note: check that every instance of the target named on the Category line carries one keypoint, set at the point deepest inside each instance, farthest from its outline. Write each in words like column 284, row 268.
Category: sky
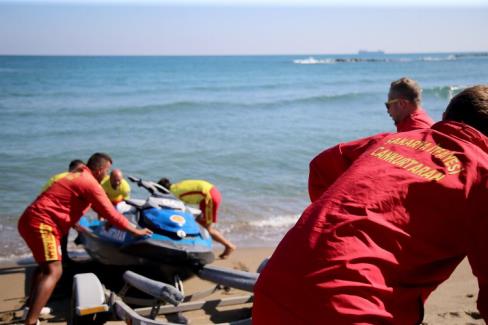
column 240, row 27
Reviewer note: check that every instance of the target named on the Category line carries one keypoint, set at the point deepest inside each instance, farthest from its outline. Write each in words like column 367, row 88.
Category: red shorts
column 42, row 239
column 210, row 205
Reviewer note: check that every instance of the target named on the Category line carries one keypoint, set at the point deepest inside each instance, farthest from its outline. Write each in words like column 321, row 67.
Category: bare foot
column 228, row 250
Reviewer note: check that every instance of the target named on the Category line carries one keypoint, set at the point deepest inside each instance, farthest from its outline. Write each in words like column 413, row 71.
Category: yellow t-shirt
column 53, row 179
column 118, row 194
column 191, row 191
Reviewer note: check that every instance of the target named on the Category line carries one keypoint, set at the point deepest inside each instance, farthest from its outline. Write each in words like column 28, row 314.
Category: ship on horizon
column 377, row 52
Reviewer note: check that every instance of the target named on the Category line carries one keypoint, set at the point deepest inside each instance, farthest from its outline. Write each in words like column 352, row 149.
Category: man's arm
column 327, row 166
column 102, row 205
column 125, row 189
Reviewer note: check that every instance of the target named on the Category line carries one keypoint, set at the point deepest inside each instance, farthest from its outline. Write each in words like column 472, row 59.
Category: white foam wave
column 20, row 259
column 445, row 58
column 454, row 90
column 276, row 222
column 312, row 60
column 447, row 92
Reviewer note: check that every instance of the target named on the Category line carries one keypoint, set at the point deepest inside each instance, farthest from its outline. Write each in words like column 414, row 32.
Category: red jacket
column 404, row 210
column 417, row 120
column 63, row 203
column 320, row 179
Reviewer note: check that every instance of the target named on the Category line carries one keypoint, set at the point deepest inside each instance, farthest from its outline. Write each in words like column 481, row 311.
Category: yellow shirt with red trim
column 191, row 191
column 122, row 192
column 53, row 179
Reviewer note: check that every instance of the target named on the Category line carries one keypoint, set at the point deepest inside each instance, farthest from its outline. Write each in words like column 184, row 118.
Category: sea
column 248, row 124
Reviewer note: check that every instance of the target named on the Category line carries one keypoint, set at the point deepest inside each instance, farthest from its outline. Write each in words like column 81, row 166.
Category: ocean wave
column 267, row 231
column 310, row 100
column 434, row 58
column 25, row 258
column 284, row 221
column 446, row 92
column 311, row 60
column 191, row 105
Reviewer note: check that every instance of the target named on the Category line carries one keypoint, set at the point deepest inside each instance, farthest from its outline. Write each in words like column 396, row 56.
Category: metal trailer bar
column 88, row 295
column 195, row 305
column 130, row 316
column 228, row 277
column 138, row 316
column 159, row 290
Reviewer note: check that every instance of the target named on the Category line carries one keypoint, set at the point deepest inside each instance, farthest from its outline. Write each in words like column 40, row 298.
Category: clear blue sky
column 219, row 27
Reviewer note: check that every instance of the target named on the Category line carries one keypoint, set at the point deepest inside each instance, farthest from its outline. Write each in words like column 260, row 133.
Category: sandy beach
column 454, row 302
column 13, row 282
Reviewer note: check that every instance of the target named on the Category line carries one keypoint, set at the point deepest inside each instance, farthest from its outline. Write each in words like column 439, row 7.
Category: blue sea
column 249, row 124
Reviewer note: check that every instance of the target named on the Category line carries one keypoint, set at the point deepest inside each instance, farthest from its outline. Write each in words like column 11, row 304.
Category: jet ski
column 178, row 240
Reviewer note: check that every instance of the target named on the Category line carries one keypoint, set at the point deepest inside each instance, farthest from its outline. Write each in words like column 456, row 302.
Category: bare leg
column 218, row 237
column 49, row 275
column 34, row 281
column 64, row 250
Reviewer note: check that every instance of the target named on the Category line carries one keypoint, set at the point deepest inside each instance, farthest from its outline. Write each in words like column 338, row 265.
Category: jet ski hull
column 116, row 247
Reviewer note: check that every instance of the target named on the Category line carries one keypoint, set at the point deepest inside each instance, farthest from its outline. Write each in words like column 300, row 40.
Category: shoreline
column 454, row 302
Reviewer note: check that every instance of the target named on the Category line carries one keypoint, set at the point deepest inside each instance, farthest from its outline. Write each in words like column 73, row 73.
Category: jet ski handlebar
column 152, row 187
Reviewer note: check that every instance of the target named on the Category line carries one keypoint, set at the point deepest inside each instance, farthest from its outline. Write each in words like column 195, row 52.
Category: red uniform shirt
column 63, row 203
column 417, row 120
column 405, row 211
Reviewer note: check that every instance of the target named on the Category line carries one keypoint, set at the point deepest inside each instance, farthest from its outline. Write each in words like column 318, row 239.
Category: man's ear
column 97, row 173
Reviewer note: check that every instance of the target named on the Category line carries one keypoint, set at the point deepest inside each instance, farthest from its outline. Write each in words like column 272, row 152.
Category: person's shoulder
column 419, row 119
column 86, row 178
column 421, row 115
column 105, row 180
column 125, row 184
column 59, row 176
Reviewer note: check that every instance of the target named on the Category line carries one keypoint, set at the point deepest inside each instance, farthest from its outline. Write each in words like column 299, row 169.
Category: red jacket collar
column 463, row 132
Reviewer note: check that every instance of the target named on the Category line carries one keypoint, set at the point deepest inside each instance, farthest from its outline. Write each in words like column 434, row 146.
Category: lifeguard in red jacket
column 400, row 211
column 51, row 216
column 404, row 106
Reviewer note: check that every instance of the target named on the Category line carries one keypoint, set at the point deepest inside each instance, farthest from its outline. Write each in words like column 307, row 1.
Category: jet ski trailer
column 91, row 303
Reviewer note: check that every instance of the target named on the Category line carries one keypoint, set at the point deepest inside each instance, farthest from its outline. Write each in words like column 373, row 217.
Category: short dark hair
column 166, row 183
column 97, row 160
column 406, row 88
column 471, row 107
column 75, row 164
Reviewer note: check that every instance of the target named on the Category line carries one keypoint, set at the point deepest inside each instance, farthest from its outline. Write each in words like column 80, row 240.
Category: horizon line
column 233, row 55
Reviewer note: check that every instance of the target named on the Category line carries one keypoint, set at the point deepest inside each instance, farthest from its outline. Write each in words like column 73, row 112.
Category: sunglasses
column 388, row 103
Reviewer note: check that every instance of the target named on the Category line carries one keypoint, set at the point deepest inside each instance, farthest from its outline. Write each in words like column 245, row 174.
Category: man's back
column 191, row 190
column 65, row 200
column 354, row 260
